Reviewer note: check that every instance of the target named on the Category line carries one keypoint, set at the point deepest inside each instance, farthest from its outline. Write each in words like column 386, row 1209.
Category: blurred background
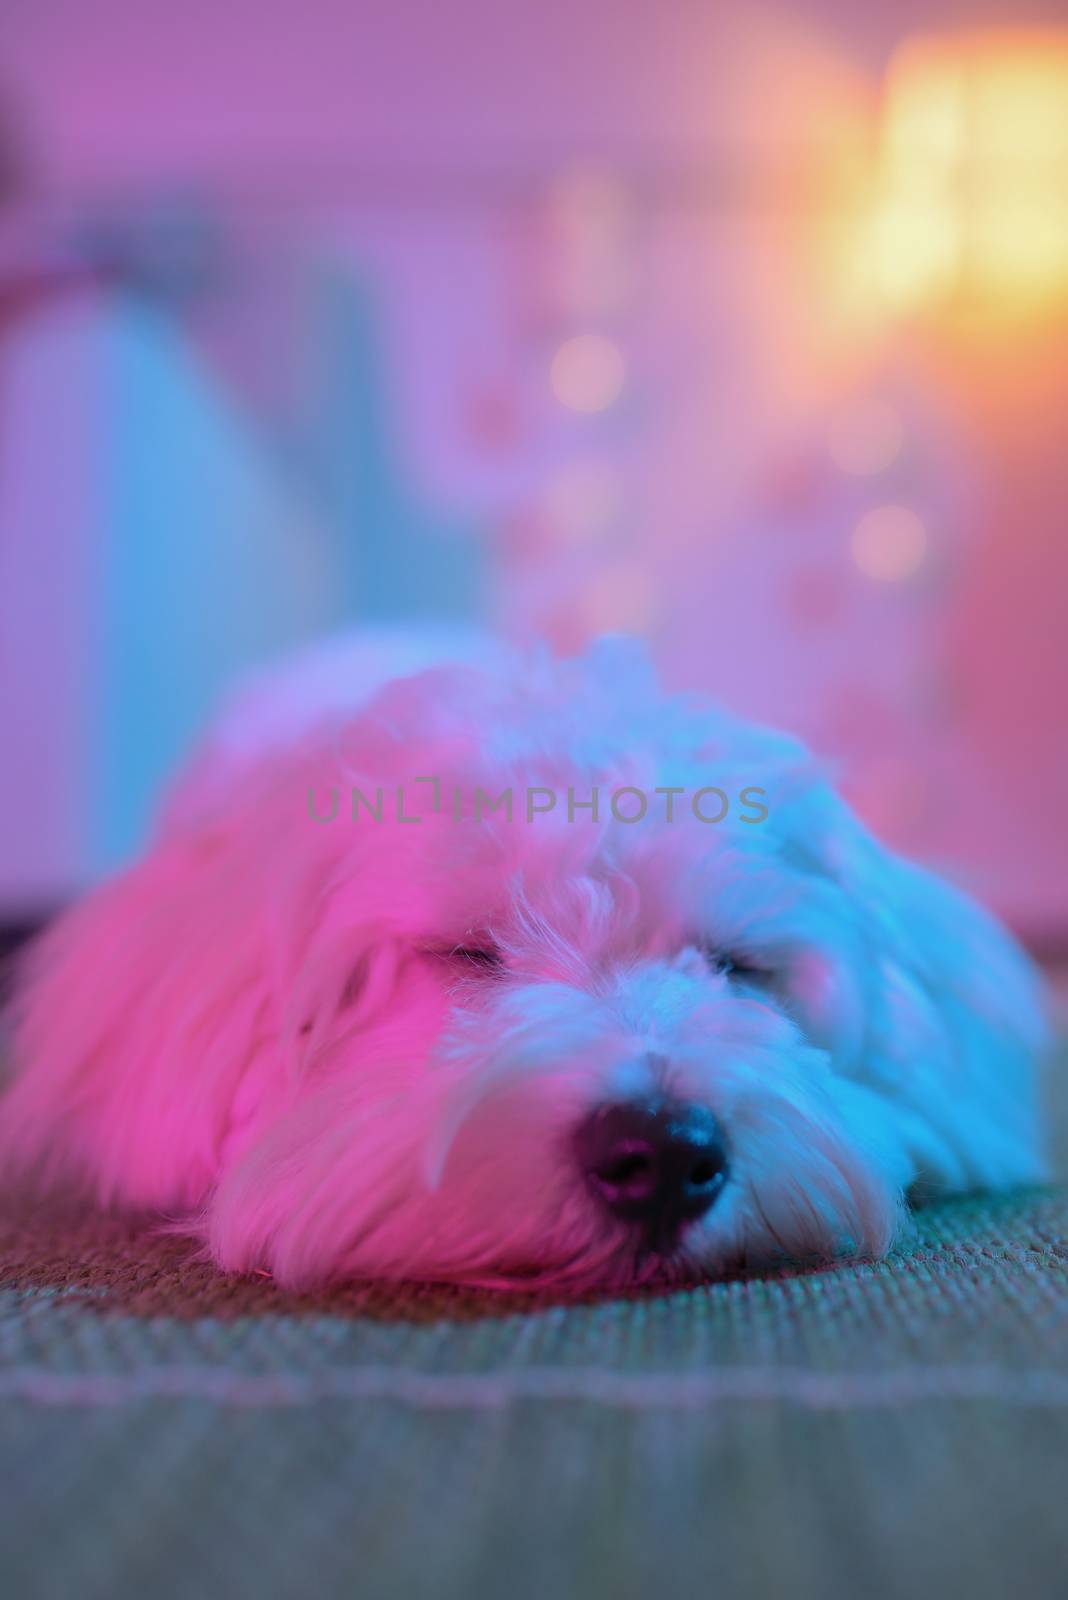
column 744, row 329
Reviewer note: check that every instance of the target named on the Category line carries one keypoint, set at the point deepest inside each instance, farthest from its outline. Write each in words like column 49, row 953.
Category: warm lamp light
column 972, row 187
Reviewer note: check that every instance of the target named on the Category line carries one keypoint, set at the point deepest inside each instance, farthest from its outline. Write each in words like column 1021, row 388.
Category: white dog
column 520, row 971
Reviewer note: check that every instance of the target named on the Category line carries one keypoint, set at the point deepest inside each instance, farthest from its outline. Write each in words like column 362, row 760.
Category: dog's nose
column 656, row 1162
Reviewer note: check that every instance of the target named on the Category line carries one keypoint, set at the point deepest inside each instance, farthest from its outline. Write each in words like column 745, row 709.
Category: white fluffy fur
column 258, row 1028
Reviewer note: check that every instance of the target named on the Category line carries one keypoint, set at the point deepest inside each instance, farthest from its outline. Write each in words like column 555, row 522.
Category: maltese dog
column 519, row 971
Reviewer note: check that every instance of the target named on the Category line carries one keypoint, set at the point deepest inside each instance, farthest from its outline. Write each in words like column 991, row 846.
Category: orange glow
column 889, row 544
column 972, row 181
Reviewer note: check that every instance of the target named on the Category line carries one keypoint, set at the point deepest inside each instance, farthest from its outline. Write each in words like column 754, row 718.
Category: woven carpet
column 898, row 1429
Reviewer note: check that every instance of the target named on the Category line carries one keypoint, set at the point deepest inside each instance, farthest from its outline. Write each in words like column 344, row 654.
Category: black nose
column 656, row 1162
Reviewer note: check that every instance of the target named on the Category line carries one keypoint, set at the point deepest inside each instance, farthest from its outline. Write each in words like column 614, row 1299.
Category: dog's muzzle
column 655, row 1163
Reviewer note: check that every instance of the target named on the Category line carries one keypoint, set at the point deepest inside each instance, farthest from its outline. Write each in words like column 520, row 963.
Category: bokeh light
column 587, row 372
column 889, row 544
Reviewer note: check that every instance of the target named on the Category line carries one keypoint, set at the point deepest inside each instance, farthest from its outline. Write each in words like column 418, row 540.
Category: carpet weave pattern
column 881, row 1430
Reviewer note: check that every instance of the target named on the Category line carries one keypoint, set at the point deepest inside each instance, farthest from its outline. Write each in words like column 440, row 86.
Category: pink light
column 889, row 544
column 587, row 373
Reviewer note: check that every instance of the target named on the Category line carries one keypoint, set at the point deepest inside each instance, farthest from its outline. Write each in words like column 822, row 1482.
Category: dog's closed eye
column 740, row 968
column 478, row 958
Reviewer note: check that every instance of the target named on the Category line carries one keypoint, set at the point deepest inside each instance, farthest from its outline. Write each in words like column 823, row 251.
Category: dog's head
column 541, row 975
column 699, row 1020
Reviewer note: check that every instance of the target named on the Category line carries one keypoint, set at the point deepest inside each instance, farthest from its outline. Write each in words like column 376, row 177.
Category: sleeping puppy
column 519, row 970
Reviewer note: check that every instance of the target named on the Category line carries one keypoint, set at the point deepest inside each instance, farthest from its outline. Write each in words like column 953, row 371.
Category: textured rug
column 883, row 1430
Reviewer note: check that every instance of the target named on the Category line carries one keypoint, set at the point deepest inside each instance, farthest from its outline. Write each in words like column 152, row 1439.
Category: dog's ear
column 155, row 1021
column 149, row 1022
column 133, row 1019
column 958, row 1025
